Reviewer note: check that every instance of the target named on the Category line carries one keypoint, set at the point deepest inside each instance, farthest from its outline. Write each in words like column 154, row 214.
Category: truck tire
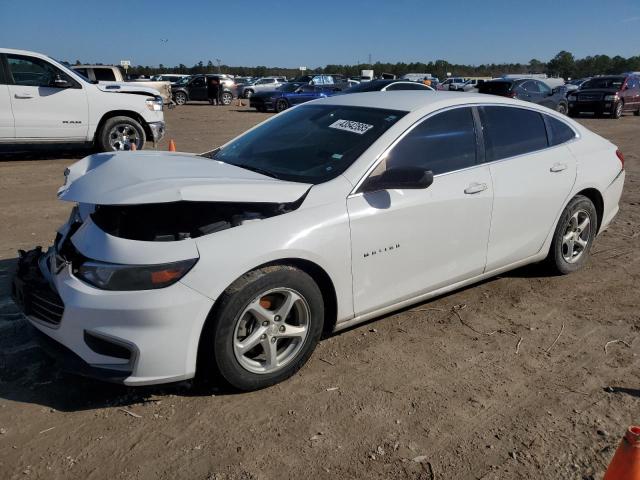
column 119, row 133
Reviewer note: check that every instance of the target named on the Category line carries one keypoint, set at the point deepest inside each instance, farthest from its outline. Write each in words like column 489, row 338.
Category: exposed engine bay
column 167, row 222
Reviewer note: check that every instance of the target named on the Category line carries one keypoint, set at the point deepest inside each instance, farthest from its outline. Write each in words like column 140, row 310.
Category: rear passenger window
column 559, row 132
column 104, row 75
column 442, row 143
column 510, row 131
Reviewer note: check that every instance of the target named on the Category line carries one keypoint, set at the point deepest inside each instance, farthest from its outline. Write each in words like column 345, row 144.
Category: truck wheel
column 227, row 98
column 562, row 108
column 119, row 133
column 180, row 98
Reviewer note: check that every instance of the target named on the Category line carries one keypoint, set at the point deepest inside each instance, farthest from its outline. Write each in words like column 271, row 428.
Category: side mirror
column 60, row 82
column 402, row 178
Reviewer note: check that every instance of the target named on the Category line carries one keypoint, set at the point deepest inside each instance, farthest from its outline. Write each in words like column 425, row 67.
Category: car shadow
column 35, row 153
column 28, row 375
column 632, row 392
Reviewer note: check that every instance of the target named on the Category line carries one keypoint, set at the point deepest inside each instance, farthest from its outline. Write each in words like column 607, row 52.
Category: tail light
column 620, row 156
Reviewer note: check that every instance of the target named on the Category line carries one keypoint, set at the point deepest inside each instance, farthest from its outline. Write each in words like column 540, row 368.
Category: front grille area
column 589, row 97
column 32, row 292
column 44, row 305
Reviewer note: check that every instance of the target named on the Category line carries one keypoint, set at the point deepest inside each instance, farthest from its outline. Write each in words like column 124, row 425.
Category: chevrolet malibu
column 329, row 214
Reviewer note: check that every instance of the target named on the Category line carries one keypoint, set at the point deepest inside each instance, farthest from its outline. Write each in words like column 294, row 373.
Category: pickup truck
column 44, row 102
column 109, row 75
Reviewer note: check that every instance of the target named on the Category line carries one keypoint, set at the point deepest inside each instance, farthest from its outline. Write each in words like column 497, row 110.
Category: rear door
column 41, row 110
column 7, row 131
column 532, row 178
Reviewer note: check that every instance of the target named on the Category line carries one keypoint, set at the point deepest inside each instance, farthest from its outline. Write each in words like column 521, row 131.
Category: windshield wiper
column 257, row 170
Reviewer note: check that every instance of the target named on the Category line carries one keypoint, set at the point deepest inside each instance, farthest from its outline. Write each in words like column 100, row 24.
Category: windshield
column 311, row 143
column 604, row 82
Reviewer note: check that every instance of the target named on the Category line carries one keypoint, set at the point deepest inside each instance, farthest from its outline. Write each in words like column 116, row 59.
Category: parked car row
column 606, row 95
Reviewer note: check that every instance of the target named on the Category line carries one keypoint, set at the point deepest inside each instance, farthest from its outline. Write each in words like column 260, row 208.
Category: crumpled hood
column 129, row 178
column 126, row 87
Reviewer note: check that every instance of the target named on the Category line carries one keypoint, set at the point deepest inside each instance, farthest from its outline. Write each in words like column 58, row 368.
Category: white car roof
column 415, row 100
column 22, row 52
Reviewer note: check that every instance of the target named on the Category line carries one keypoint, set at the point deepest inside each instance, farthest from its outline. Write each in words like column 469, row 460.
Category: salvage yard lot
column 506, row 379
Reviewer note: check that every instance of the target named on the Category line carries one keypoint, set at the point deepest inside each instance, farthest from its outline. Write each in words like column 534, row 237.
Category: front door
column 42, row 110
column 408, row 242
column 198, row 89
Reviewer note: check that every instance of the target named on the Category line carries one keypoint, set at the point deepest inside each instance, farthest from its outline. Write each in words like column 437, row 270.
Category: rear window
column 510, row 131
column 496, row 88
column 311, row 143
column 559, row 132
column 604, row 82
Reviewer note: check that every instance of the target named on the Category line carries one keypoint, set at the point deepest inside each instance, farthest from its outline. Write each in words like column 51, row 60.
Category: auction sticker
column 351, row 126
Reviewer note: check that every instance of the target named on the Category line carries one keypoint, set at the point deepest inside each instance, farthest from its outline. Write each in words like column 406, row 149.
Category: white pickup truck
column 44, row 102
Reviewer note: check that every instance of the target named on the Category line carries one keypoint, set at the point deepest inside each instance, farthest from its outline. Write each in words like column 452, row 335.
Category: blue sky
column 304, row 32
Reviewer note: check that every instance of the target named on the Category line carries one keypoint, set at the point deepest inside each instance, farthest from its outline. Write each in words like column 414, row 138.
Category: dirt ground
column 418, row 394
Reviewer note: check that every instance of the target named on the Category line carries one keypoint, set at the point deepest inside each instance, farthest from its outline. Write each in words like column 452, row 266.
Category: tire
column 119, row 133
column 180, row 98
column 618, row 109
column 248, row 93
column 572, row 221
column 227, row 98
column 295, row 335
column 562, row 108
column 281, row 105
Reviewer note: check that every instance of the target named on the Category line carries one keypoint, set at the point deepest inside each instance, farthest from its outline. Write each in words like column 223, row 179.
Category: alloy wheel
column 122, row 136
column 576, row 236
column 271, row 330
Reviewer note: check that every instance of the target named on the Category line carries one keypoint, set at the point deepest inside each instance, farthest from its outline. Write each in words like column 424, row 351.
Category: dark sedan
column 611, row 95
column 290, row 94
column 529, row 90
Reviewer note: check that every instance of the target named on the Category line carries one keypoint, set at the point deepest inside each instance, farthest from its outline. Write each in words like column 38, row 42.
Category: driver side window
column 442, row 143
column 32, row 72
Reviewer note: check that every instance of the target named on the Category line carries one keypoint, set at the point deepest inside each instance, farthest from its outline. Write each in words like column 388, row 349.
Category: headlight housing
column 113, row 276
column 611, row 98
column 154, row 104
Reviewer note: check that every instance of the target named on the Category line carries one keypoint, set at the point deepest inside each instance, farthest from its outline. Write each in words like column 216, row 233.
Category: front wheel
column 266, row 326
column 281, row 105
column 617, row 111
column 562, row 108
column 574, row 235
column 120, row 133
column 180, row 98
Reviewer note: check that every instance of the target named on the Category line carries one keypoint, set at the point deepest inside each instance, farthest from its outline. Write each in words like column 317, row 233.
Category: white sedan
column 332, row 213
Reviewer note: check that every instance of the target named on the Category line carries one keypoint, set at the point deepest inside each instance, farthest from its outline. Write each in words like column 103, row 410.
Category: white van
column 44, row 102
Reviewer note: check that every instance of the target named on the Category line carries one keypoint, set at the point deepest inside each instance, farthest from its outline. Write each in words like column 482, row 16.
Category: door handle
column 558, row 167
column 23, row 95
column 475, row 188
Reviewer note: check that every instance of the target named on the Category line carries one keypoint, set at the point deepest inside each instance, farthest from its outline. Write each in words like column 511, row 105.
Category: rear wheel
column 120, row 133
column 266, row 327
column 227, row 98
column 574, row 236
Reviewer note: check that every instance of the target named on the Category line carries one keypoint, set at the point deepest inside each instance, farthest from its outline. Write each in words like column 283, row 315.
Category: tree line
column 564, row 65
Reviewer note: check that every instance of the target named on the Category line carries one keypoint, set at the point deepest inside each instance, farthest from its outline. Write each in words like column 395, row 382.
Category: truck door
column 46, row 102
column 7, row 130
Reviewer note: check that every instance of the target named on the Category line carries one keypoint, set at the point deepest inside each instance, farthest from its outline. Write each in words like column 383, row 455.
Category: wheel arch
column 124, row 113
column 596, row 198
column 315, row 271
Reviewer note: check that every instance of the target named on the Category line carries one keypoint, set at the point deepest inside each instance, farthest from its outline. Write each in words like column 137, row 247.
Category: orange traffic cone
column 625, row 464
column 172, row 145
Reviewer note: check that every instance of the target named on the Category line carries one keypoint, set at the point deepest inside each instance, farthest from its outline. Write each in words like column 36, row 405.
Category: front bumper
column 136, row 338
column 157, row 130
column 596, row 107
